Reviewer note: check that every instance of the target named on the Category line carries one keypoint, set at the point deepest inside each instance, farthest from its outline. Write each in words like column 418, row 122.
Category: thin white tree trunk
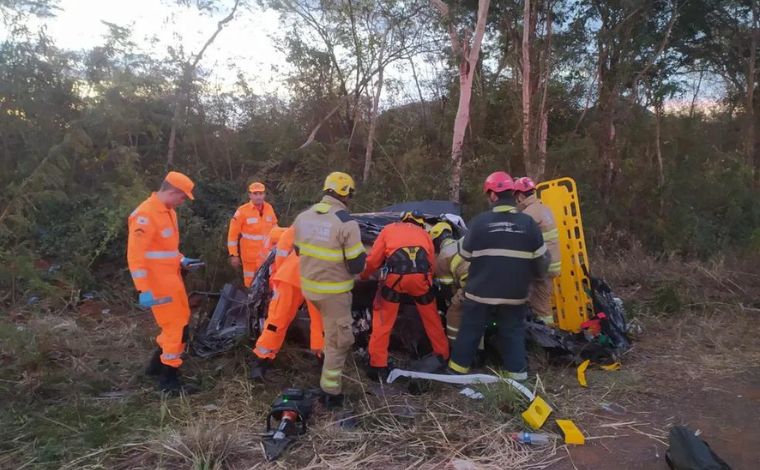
column 527, row 124
column 468, row 61
column 373, row 123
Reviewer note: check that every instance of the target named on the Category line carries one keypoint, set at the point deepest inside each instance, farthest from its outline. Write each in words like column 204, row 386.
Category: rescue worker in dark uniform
column 506, row 252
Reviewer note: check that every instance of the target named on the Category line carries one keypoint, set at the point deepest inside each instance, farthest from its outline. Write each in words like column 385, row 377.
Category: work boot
column 331, row 401
column 168, row 381
column 377, row 374
column 154, row 366
column 259, row 368
column 430, row 363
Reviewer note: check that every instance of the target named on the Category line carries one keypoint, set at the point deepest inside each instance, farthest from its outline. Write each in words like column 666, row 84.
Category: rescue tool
column 290, row 412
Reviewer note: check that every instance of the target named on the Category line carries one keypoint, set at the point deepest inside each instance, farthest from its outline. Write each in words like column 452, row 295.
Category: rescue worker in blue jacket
column 506, row 252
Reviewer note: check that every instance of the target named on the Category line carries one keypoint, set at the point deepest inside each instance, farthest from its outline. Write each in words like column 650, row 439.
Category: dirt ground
column 710, row 383
column 74, row 397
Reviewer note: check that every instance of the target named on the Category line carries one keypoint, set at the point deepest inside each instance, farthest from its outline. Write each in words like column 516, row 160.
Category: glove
column 146, row 300
column 191, row 264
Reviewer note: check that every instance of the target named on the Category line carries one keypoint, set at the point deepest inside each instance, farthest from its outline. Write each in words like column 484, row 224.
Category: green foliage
column 83, row 137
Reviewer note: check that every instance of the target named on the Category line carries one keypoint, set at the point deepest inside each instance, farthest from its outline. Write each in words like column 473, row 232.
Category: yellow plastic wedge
column 537, row 413
column 572, row 434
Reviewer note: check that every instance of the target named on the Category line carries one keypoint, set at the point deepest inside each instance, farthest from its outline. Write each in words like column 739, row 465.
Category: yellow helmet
column 340, row 183
column 438, row 229
column 415, row 217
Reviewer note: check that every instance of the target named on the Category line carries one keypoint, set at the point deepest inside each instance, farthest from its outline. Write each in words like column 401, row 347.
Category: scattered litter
column 460, row 464
column 572, row 434
column 470, row 393
column 581, row 373
column 106, row 311
column 114, row 394
column 211, row 407
column 32, row 300
column 613, row 408
column 90, row 295
column 530, row 438
column 405, row 411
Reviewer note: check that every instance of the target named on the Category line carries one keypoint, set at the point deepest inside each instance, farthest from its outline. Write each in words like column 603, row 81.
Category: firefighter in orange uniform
column 249, row 229
column 406, row 251
column 155, row 264
column 286, row 300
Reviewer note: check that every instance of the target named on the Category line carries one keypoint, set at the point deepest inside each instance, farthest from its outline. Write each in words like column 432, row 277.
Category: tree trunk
column 749, row 124
column 749, row 142
column 183, row 87
column 658, row 145
column 543, row 110
column 468, row 63
column 527, row 124
column 373, row 123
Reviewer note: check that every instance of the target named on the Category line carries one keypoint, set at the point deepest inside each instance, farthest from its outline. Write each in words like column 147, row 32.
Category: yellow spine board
column 571, row 304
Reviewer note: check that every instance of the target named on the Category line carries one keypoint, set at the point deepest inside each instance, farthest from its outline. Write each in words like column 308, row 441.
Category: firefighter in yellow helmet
column 331, row 253
column 450, row 274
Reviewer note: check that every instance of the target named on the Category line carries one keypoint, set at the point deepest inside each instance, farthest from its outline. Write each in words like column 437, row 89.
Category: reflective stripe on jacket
column 545, row 220
column 249, row 230
column 152, row 244
column 330, row 249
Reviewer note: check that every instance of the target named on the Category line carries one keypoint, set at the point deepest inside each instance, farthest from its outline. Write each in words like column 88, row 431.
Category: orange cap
column 181, row 182
column 256, row 187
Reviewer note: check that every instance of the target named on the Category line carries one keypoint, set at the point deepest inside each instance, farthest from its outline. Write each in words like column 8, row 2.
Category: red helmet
column 498, row 182
column 524, row 184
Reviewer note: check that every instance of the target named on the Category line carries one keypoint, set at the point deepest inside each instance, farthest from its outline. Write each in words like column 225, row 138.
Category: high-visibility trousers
column 454, row 319
column 339, row 337
column 384, row 315
column 250, row 266
column 286, row 300
column 172, row 318
column 540, row 299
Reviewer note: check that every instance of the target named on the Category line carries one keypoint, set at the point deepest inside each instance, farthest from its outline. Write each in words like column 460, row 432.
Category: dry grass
column 78, row 400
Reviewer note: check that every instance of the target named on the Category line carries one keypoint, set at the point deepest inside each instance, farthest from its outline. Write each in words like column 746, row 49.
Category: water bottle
column 530, row 438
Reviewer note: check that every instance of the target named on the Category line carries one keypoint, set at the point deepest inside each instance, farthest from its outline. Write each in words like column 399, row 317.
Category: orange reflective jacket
column 289, row 271
column 249, row 229
column 284, row 247
column 153, row 245
column 394, row 237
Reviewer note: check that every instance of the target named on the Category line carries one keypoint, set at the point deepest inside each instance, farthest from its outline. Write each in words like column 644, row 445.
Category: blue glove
column 191, row 264
column 146, row 300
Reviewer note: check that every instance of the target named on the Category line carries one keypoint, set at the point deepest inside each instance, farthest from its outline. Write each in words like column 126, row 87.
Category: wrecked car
column 239, row 314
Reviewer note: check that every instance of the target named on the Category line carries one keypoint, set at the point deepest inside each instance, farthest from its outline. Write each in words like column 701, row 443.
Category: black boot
column 259, row 368
column 169, row 383
column 377, row 374
column 154, row 366
column 331, row 401
column 430, row 363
